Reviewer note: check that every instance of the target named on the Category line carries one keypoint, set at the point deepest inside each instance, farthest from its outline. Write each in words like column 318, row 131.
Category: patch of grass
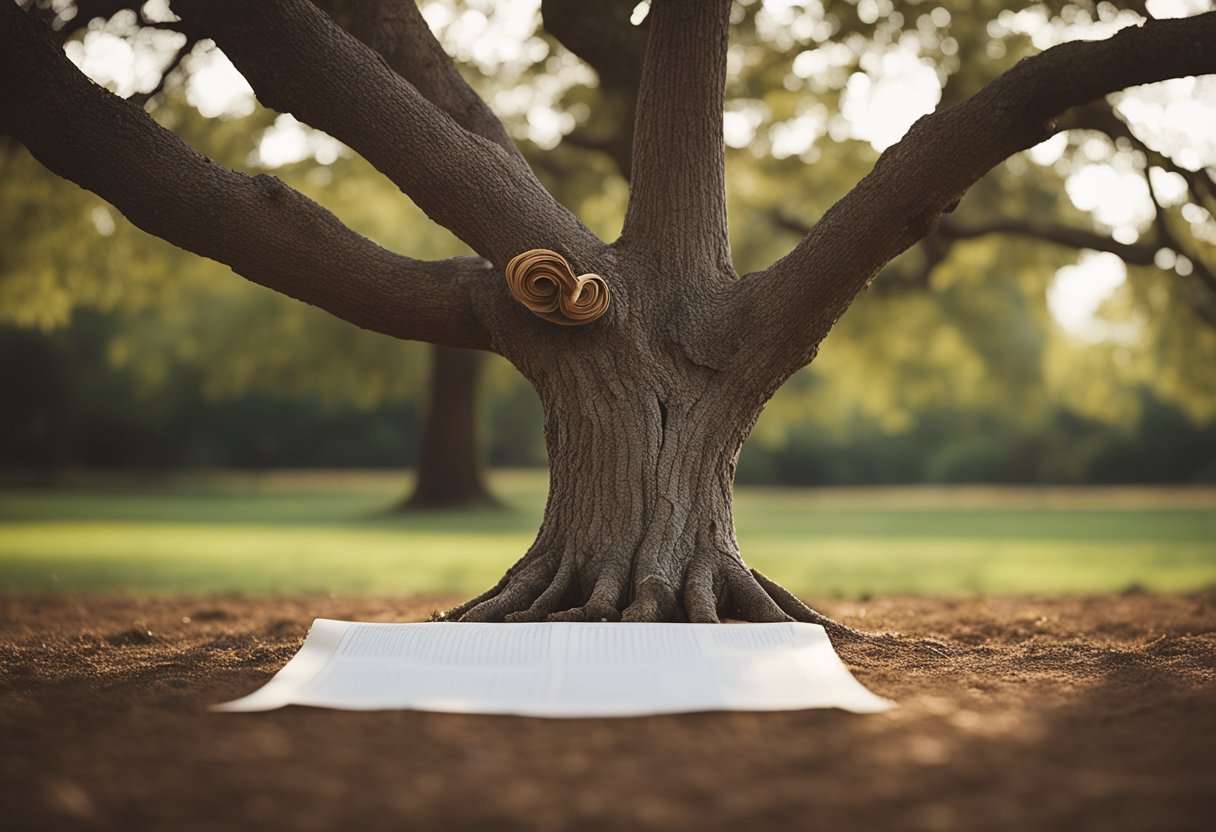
column 329, row 533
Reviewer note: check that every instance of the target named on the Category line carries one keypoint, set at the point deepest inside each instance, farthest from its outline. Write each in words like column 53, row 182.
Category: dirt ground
column 1087, row 713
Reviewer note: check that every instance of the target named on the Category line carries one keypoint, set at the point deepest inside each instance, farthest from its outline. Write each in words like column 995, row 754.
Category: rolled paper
column 545, row 284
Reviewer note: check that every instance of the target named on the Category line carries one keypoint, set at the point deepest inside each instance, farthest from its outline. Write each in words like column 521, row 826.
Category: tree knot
column 544, row 283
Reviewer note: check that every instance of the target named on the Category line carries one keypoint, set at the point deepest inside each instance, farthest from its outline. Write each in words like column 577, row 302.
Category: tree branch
column 397, row 30
column 86, row 11
column 1170, row 240
column 299, row 61
column 90, row 10
column 1135, row 254
column 797, row 300
column 677, row 200
column 1100, row 117
column 258, row 226
column 600, row 32
column 949, row 231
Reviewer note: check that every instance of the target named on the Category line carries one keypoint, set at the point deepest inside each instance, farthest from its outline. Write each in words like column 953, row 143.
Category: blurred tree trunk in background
column 451, row 470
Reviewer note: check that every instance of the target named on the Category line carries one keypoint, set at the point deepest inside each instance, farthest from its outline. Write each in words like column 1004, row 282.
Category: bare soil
column 1081, row 713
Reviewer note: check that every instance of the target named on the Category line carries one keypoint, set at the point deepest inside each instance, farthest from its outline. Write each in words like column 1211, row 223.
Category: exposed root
column 795, row 609
column 551, row 600
column 457, row 613
column 714, row 589
column 747, row 600
column 603, row 604
column 700, row 596
column 521, row 591
column 654, row 600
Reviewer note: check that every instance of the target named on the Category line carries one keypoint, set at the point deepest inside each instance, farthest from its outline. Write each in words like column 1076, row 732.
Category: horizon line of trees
column 71, row 409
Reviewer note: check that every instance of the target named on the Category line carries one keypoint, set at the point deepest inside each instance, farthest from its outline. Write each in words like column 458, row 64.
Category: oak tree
column 652, row 357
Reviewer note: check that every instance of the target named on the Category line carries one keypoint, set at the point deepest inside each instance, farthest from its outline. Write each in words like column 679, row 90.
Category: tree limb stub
column 543, row 282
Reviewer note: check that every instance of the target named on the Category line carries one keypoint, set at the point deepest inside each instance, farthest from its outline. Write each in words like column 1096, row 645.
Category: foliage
column 974, row 368
column 71, row 409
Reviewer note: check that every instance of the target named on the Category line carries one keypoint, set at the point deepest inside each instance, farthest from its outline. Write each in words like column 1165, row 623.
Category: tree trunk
column 638, row 525
column 450, row 469
column 643, row 437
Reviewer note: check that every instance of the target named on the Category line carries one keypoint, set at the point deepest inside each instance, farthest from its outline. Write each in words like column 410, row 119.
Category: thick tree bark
column 451, row 472
column 642, row 441
column 678, row 211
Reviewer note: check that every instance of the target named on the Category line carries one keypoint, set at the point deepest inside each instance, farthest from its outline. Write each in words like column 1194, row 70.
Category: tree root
column 538, row 589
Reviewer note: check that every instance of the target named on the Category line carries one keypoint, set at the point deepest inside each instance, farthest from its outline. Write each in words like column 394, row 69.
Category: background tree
column 645, row 409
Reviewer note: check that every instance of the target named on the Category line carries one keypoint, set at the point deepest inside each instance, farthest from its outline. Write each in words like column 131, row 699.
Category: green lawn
column 329, row 533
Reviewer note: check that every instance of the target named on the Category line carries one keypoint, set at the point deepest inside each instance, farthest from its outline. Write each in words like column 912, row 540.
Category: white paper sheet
column 564, row 670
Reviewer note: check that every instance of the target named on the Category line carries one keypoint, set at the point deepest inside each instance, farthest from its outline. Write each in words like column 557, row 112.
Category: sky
column 895, row 85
